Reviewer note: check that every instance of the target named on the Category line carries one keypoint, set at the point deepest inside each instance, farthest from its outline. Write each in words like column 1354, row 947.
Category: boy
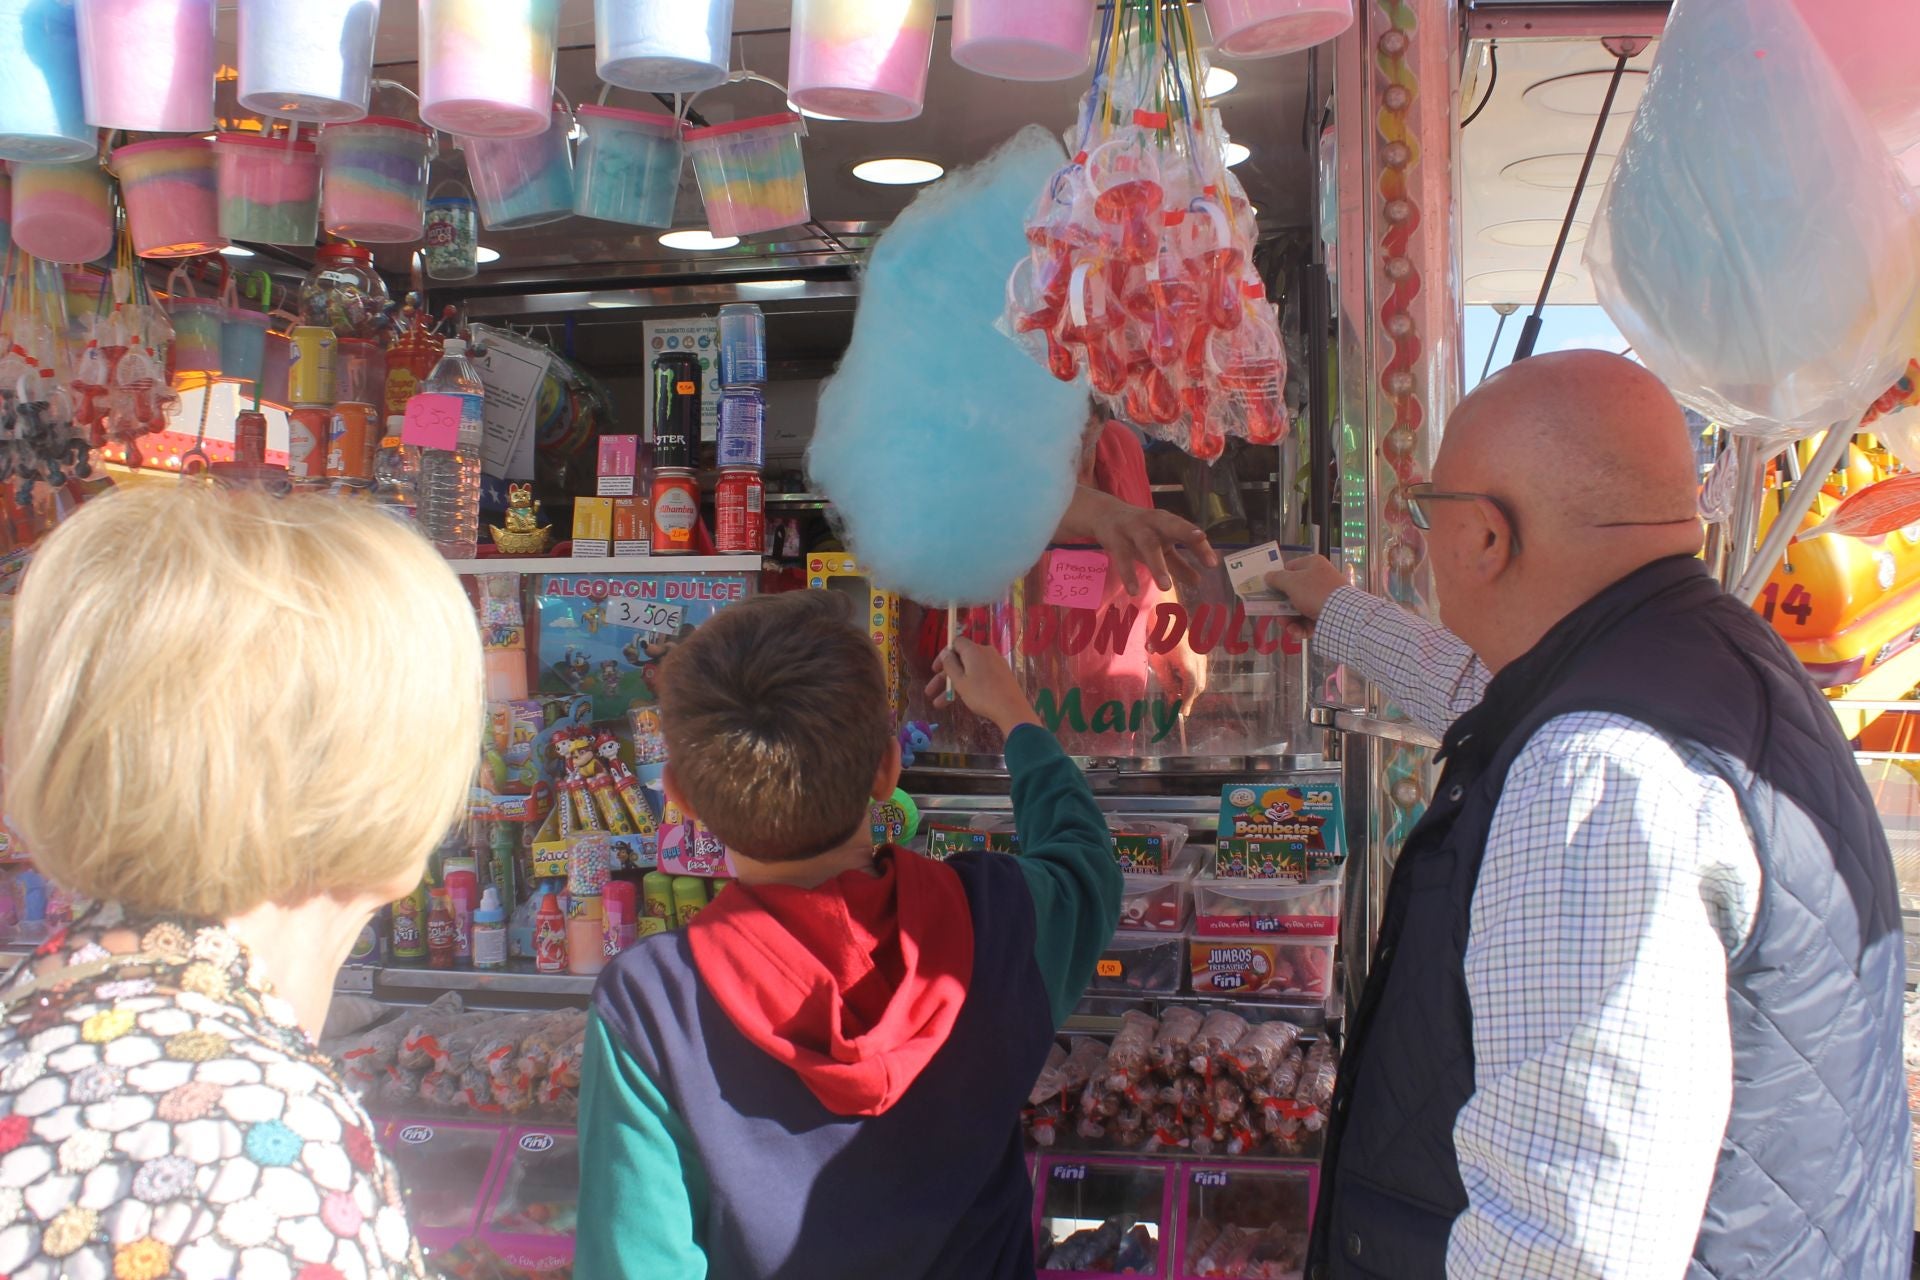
column 822, row 1075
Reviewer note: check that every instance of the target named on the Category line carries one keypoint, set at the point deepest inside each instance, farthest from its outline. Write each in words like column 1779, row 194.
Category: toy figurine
column 524, row 534
column 915, row 736
column 624, row 784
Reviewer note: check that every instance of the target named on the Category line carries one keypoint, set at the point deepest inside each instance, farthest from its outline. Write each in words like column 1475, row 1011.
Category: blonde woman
column 239, row 724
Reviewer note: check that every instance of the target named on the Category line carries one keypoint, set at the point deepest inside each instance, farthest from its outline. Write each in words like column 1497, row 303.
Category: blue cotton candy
column 948, row 451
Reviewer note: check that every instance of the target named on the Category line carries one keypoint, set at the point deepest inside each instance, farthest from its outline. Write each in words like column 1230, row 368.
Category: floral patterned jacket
column 162, row 1115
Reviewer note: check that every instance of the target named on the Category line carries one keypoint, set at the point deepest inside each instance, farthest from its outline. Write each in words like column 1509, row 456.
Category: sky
column 1565, row 328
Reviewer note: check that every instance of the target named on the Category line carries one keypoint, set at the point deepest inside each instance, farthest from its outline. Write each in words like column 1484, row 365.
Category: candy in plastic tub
column 1267, row 28
column 486, row 66
column 376, row 179
column 751, row 175
column 857, row 60
column 243, row 344
column 148, row 65
column 1024, row 39
column 196, row 334
column 170, row 188
column 269, row 189
column 307, row 59
column 62, row 212
column 452, row 250
column 629, row 166
column 523, row 181
column 662, row 46
column 41, row 115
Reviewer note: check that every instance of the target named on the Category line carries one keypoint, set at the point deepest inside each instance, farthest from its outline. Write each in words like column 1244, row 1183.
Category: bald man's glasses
column 1419, row 495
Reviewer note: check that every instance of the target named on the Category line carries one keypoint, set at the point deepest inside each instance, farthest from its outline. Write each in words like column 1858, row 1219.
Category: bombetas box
column 1280, row 831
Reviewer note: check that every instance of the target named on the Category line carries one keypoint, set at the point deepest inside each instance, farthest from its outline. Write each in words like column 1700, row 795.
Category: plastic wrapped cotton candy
column 949, row 454
column 1757, row 244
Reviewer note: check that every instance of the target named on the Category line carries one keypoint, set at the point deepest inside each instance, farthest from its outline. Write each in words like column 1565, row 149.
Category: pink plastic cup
column 171, row 192
column 857, row 60
column 1267, row 28
column 62, row 212
column 376, row 180
column 147, row 65
column 486, row 66
column 1024, row 39
column 269, row 189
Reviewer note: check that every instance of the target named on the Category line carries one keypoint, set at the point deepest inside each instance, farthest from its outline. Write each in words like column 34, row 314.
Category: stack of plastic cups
column 629, row 167
column 148, row 66
column 62, row 212
column 171, row 189
column 307, row 59
column 359, row 380
column 857, row 60
column 269, row 189
column 523, row 182
column 740, row 495
column 42, row 117
column 486, row 66
column 310, row 389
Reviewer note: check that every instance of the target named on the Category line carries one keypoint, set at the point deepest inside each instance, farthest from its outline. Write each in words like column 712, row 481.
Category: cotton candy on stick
column 948, row 453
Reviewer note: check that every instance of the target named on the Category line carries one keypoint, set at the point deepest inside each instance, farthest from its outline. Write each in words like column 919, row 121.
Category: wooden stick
column 953, row 634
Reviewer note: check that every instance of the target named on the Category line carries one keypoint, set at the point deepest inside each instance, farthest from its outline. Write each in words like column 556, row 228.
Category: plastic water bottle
column 396, row 475
column 450, row 478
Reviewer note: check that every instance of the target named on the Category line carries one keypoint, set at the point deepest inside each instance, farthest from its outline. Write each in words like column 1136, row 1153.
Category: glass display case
column 447, row 1167
column 1103, row 1217
column 530, row 1220
column 1246, row 1223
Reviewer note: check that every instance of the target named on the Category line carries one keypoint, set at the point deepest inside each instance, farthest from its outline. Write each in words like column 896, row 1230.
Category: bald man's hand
column 1308, row 581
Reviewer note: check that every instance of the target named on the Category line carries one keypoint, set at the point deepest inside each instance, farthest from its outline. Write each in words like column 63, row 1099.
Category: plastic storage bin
column 535, row 1201
column 1245, row 1222
column 62, row 212
column 857, row 60
column 171, row 190
column 662, row 46
column 147, row 65
column 629, row 166
column 1104, row 1217
column 526, row 181
column 752, row 178
column 307, row 59
column 1266, row 28
column 1264, row 909
column 1024, row 39
column 1141, row 964
column 486, row 66
column 1245, row 969
column 269, row 189
column 448, row 1167
column 42, row 117
column 376, row 179
column 1156, row 904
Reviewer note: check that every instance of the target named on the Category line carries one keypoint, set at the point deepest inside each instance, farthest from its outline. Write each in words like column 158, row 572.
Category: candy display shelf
column 608, row 564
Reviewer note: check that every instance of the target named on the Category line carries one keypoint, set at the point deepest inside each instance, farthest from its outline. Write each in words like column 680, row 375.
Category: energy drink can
column 676, row 408
column 743, row 344
column 743, row 421
column 740, row 513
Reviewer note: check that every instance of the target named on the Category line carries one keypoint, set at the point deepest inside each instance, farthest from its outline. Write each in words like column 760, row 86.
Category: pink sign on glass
column 433, row 421
column 1076, row 579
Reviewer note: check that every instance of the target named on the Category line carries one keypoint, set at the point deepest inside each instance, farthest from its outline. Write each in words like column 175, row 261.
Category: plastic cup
column 486, row 66
column 629, row 167
column 62, row 212
column 662, row 46
column 376, row 179
column 307, row 59
column 42, row 118
column 197, row 325
column 243, row 345
column 1024, row 39
column 752, row 178
column 452, row 248
column 148, row 65
column 269, row 189
column 858, row 60
column 1266, row 28
column 523, row 182
column 171, row 190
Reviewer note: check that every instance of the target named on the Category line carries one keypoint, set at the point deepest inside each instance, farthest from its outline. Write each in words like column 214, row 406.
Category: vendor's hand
column 1308, row 581
column 983, row 680
column 1133, row 536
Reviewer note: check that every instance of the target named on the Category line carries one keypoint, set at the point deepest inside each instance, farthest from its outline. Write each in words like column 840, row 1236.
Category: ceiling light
column 237, row 251
column 770, row 286
column 698, row 240
column 1219, row 81
column 1233, row 153
column 897, row 171
column 483, row 255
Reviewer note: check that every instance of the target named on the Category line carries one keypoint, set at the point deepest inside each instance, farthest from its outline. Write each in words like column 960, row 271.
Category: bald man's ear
column 1494, row 540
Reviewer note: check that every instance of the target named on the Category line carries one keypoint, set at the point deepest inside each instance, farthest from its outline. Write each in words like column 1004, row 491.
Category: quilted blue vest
column 1815, row 1176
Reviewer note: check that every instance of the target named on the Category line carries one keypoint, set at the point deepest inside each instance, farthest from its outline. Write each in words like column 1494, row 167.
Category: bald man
column 1635, row 1007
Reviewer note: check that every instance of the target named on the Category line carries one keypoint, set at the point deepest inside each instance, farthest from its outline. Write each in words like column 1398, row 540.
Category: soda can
column 743, row 418
column 743, row 344
column 676, row 511
column 689, row 898
column 309, row 432
column 310, row 376
column 350, row 445
column 676, row 408
column 740, row 513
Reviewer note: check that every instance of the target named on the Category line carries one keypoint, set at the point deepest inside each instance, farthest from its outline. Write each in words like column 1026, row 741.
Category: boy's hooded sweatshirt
column 827, row 1082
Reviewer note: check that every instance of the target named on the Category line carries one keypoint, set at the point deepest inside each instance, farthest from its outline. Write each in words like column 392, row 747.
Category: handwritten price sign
column 433, row 422
column 1076, row 579
column 646, row 615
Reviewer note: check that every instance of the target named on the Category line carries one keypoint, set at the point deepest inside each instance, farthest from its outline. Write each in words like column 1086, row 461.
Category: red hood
column 854, row 984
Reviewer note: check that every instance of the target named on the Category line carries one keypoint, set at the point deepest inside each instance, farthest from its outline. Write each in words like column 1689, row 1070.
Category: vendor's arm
column 1135, row 537
column 1426, row 669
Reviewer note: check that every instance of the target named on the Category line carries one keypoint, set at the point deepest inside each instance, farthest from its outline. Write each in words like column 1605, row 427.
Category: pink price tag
column 1076, row 579
column 433, row 422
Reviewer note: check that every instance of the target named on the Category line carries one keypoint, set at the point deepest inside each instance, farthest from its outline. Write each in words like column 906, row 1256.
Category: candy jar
column 343, row 292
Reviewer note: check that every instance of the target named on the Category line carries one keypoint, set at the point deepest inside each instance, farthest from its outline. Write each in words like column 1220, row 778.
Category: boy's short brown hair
column 776, row 719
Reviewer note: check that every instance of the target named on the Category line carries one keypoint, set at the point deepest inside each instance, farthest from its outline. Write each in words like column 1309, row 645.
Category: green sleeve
column 643, row 1191
column 1066, row 854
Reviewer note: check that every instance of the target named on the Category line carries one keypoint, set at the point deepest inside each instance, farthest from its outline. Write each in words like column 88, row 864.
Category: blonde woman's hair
column 221, row 699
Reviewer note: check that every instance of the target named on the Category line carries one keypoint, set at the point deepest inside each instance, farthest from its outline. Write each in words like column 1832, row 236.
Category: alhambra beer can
column 676, row 511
